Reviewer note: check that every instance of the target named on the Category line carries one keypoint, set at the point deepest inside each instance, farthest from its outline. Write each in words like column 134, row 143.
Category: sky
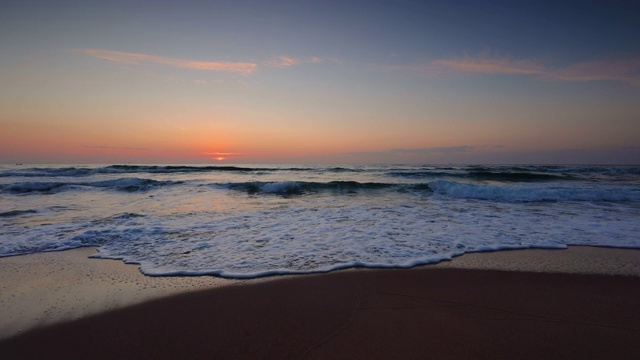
column 344, row 82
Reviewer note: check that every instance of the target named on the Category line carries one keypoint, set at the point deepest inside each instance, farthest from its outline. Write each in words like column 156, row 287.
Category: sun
column 221, row 156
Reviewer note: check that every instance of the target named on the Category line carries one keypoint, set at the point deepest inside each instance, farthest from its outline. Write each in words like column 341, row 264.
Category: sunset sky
column 428, row 82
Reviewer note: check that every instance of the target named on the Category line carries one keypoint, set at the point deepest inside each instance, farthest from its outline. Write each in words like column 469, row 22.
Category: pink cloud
column 283, row 61
column 134, row 58
column 314, row 60
column 289, row 61
column 488, row 65
column 625, row 70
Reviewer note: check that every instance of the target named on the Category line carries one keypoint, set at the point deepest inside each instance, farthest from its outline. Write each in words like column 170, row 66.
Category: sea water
column 248, row 221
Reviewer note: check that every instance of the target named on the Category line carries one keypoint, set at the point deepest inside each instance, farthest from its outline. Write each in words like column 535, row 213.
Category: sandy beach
column 250, row 179
column 574, row 303
column 46, row 288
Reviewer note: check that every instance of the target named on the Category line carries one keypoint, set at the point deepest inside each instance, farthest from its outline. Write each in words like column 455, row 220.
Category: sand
column 451, row 310
column 46, row 288
column 573, row 260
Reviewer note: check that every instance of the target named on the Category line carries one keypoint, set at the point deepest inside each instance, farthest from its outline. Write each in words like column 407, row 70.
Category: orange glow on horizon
column 222, row 153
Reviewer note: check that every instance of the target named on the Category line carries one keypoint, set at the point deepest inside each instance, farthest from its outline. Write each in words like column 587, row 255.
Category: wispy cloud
column 282, row 61
column 289, row 61
column 488, row 65
column 244, row 68
column 622, row 70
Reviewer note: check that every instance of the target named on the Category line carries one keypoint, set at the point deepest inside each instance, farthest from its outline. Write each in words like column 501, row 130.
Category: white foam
column 293, row 239
column 276, row 225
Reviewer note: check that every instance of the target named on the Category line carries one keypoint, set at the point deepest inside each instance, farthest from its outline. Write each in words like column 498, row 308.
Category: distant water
column 248, row 221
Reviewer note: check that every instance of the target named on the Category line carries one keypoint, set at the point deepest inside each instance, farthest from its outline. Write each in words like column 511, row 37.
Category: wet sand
column 573, row 260
column 439, row 311
column 46, row 288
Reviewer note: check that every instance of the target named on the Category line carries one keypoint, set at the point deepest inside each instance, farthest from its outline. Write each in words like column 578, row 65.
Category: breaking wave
column 124, row 184
column 288, row 188
column 533, row 194
column 13, row 213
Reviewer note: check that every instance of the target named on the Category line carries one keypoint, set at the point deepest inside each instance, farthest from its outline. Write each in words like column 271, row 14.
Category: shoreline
column 48, row 288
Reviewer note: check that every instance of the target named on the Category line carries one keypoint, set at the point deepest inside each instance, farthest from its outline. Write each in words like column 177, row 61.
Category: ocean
column 256, row 220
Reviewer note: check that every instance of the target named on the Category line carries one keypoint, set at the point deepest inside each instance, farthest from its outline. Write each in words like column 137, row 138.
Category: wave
column 157, row 169
column 291, row 188
column 119, row 169
column 482, row 175
column 516, row 176
column 13, row 213
column 33, row 187
column 607, row 170
column 534, row 194
column 522, row 173
column 50, row 172
column 123, row 184
column 170, row 169
column 528, row 173
column 285, row 188
column 517, row 192
column 452, row 189
column 199, row 169
column 131, row 184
